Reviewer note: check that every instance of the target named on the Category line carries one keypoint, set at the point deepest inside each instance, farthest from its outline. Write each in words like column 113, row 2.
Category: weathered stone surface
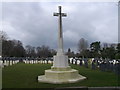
column 60, row 61
column 59, row 77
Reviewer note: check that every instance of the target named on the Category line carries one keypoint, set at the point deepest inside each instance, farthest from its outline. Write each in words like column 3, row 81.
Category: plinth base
column 59, row 77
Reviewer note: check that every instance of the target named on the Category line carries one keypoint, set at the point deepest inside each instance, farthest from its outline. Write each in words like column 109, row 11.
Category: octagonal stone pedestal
column 59, row 77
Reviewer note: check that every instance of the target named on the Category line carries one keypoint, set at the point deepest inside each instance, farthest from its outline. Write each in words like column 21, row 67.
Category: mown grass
column 25, row 76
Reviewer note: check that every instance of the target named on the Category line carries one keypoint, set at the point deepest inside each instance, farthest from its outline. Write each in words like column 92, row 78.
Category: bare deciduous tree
column 82, row 44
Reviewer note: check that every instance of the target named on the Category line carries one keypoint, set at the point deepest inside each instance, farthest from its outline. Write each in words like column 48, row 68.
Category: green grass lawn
column 25, row 76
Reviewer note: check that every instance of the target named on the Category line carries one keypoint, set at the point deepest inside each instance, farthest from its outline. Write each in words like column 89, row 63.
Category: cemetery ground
column 25, row 76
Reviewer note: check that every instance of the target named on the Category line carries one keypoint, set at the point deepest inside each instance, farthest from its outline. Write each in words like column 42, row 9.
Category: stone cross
column 60, row 72
column 60, row 36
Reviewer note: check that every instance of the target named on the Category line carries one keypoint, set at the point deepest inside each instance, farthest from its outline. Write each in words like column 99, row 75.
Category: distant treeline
column 15, row 48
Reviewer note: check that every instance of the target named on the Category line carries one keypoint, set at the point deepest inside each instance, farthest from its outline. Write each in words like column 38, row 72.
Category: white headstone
column 10, row 62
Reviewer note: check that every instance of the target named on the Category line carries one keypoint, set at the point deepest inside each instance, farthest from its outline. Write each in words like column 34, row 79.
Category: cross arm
column 55, row 14
column 62, row 14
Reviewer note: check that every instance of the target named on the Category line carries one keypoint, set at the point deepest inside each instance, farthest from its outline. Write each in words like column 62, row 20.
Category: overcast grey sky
column 33, row 23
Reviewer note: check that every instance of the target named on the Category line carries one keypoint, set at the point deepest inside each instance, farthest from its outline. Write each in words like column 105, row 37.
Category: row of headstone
column 101, row 64
column 79, row 62
column 11, row 58
column 37, row 61
column 25, row 58
column 7, row 63
column 108, row 65
column 76, row 61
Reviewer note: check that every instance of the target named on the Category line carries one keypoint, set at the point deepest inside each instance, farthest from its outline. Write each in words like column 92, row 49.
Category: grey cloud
column 33, row 23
